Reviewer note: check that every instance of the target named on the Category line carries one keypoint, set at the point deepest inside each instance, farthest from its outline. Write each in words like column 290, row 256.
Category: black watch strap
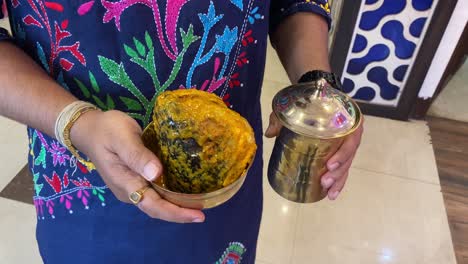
column 315, row 75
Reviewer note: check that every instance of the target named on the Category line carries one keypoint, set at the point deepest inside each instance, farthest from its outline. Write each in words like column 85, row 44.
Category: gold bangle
column 67, row 140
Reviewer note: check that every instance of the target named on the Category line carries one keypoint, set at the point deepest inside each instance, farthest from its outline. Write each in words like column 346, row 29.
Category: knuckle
column 134, row 157
column 121, row 197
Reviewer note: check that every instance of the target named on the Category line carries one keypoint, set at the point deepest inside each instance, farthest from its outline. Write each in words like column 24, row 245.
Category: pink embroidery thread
column 84, row 8
column 114, row 11
column 172, row 15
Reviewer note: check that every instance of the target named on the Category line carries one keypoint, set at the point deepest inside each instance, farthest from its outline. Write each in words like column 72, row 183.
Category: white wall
column 445, row 50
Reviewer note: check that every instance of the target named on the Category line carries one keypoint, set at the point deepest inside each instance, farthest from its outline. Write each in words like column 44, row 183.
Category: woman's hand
column 112, row 140
column 338, row 165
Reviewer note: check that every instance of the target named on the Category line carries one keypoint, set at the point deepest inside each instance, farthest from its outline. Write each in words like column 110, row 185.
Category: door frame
column 342, row 41
column 456, row 62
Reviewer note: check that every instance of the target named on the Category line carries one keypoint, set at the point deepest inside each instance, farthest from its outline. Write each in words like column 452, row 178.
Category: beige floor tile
column 18, row 228
column 269, row 89
column 257, row 261
column 278, row 221
column 13, row 150
column 274, row 70
column 279, row 215
column 451, row 103
column 5, row 24
column 378, row 219
column 398, row 148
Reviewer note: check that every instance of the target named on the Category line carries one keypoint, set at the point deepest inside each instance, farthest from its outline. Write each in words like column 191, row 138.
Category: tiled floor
column 391, row 211
column 450, row 140
column 451, row 102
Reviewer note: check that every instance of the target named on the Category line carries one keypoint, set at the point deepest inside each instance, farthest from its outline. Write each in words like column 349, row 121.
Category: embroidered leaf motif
column 64, row 24
column 61, row 81
column 93, row 82
column 84, row 8
column 55, row 182
column 66, row 64
column 131, row 104
column 188, row 38
column 82, row 168
column 99, row 102
column 110, row 102
column 130, row 52
column 238, row 3
column 141, row 49
column 148, row 40
column 42, row 57
column 66, row 181
column 116, row 72
column 54, row 6
column 37, row 187
column 83, row 88
column 41, row 158
column 30, row 21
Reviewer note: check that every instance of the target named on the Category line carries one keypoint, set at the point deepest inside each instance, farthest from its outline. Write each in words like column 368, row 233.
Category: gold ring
column 137, row 196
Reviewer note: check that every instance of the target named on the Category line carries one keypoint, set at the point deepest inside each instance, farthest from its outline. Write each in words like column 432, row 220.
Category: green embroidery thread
column 143, row 56
column 108, row 105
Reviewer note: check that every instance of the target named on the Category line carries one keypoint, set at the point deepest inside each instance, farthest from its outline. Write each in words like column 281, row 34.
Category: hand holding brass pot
column 316, row 119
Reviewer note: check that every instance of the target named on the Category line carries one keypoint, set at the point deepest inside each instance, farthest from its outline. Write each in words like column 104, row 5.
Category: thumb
column 274, row 127
column 140, row 159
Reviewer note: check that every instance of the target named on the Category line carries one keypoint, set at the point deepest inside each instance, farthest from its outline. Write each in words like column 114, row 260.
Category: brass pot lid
column 316, row 109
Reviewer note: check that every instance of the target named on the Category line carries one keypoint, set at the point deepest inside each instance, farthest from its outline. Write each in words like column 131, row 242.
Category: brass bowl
column 194, row 201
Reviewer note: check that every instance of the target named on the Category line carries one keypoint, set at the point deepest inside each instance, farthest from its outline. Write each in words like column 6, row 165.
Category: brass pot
column 194, row 201
column 316, row 119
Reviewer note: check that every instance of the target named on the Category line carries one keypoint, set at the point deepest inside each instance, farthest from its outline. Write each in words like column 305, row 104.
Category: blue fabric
column 281, row 9
column 120, row 55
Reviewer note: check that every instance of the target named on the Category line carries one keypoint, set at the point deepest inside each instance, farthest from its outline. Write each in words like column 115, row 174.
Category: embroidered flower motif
column 58, row 154
column 232, row 254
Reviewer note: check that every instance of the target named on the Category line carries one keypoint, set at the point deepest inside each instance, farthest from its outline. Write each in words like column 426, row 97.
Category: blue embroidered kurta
column 120, row 54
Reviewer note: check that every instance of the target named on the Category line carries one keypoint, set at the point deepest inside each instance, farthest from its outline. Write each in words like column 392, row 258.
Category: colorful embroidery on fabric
column 233, row 254
column 144, row 57
column 140, row 107
column 68, row 188
column 60, row 181
column 56, row 32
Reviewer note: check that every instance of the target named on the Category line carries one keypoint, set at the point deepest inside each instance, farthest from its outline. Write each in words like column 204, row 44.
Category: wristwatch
column 315, row 75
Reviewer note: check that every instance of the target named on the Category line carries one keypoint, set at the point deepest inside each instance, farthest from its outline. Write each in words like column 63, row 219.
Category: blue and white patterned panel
column 386, row 40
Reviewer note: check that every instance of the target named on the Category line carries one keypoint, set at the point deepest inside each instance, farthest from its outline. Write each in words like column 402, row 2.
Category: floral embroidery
column 173, row 7
column 254, row 15
column 60, row 181
column 145, row 59
column 85, row 8
column 57, row 33
column 233, row 254
column 68, row 188
column 109, row 103
column 224, row 44
column 225, row 94
column 58, row 154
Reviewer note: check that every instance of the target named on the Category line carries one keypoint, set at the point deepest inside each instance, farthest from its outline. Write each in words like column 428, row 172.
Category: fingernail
column 197, row 220
column 327, row 183
column 334, row 195
column 334, row 166
column 150, row 171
